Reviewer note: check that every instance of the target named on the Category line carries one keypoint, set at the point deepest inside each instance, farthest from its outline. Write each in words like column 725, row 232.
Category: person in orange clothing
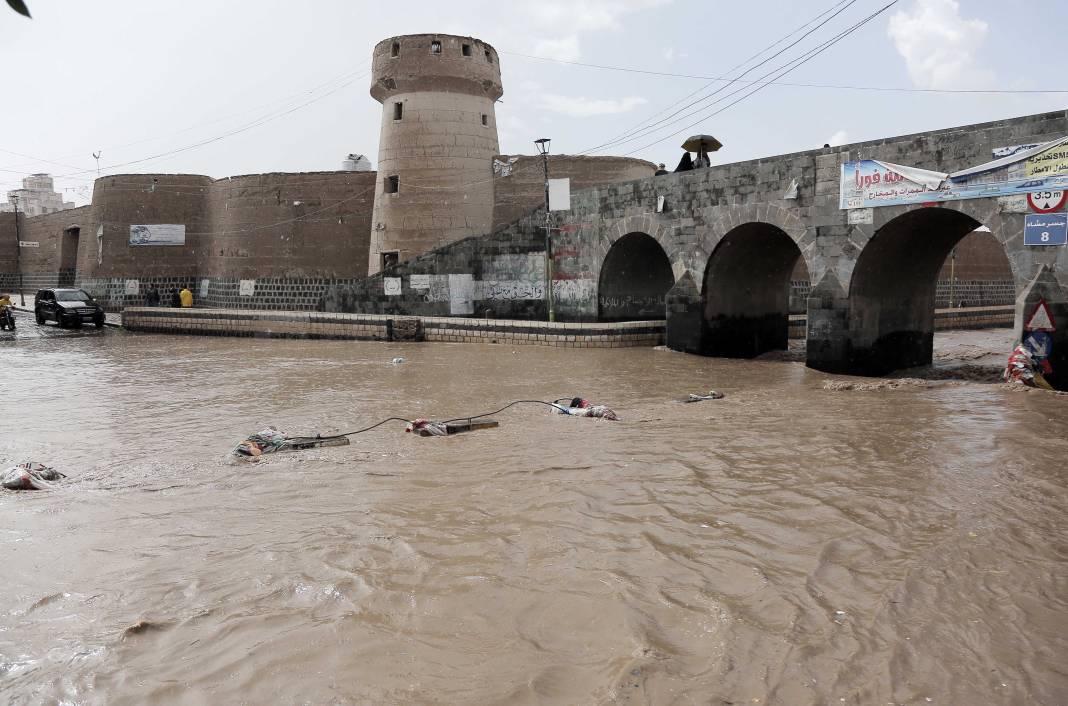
column 186, row 297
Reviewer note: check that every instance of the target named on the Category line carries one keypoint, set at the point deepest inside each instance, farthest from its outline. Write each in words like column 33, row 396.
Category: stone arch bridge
column 712, row 251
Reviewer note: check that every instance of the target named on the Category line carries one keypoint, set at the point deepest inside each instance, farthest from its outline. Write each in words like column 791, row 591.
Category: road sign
column 1046, row 229
column 29, row 244
column 1041, row 318
column 1047, row 201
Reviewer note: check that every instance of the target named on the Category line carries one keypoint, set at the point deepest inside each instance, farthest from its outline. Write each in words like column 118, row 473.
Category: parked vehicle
column 7, row 319
column 68, row 308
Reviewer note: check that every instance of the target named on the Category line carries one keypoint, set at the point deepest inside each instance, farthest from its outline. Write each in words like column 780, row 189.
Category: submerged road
column 798, row 542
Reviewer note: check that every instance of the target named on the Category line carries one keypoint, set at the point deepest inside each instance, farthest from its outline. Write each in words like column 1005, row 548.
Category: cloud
column 585, row 15
column 564, row 49
column 839, row 138
column 939, row 46
column 575, row 17
column 668, row 54
column 581, row 107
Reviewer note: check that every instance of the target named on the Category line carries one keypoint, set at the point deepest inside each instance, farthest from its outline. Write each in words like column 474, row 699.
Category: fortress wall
column 289, row 233
column 298, row 225
column 8, row 253
column 523, row 189
column 107, row 265
column 52, row 262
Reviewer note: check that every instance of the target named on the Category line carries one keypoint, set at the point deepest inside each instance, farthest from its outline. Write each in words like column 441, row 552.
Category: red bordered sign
column 1047, row 201
column 1041, row 318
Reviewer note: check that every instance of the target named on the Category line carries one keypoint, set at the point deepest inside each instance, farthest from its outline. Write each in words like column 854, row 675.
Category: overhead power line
column 835, row 86
column 779, row 72
column 820, row 21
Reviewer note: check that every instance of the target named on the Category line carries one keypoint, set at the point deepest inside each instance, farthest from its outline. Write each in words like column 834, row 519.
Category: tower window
column 392, row 185
column 435, row 47
column 395, row 49
column 489, row 56
column 485, row 119
column 390, row 259
column 398, row 111
column 465, row 49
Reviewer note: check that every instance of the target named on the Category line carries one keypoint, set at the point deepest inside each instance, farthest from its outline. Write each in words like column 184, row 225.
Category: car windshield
column 72, row 295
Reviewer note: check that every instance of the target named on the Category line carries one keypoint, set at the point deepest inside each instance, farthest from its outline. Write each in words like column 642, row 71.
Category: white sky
column 138, row 78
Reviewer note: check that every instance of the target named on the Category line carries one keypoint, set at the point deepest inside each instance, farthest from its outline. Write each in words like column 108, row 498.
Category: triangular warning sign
column 1041, row 319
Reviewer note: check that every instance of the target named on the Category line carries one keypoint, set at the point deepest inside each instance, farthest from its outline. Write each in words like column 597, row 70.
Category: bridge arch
column 635, row 276
column 893, row 287
column 746, row 291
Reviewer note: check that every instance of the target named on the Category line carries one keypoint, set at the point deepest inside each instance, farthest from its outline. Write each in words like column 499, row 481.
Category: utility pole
column 543, row 149
column 96, row 156
column 18, row 252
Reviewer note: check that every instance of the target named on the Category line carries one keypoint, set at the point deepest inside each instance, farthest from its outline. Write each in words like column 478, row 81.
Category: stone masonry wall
column 519, row 185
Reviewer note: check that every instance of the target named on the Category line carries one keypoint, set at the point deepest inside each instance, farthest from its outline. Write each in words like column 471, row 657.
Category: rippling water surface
column 788, row 544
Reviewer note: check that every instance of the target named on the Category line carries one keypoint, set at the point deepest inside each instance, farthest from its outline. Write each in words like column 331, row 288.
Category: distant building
column 36, row 197
column 356, row 163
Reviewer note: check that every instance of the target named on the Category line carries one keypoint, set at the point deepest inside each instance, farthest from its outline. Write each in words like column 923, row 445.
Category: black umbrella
column 697, row 143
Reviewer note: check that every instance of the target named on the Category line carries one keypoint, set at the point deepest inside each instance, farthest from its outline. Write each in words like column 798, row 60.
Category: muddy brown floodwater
column 789, row 544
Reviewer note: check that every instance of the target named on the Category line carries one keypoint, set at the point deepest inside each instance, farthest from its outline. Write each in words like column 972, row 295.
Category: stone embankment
column 384, row 327
column 324, row 325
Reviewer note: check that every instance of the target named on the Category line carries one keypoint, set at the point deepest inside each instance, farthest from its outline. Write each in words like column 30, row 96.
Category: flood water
column 789, row 544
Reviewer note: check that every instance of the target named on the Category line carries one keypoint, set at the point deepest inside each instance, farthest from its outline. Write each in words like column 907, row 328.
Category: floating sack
column 580, row 407
column 265, row 441
column 425, row 427
column 712, row 395
column 1021, row 369
column 29, row 476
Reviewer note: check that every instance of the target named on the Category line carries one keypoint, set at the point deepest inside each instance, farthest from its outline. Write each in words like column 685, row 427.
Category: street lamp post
column 18, row 252
column 543, row 150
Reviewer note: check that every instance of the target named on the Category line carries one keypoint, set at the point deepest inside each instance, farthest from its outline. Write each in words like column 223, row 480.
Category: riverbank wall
column 387, row 327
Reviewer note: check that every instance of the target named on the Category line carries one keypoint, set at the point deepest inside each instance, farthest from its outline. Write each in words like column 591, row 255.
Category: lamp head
column 542, row 145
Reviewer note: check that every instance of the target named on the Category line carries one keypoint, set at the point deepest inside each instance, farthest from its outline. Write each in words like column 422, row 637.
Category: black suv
column 67, row 307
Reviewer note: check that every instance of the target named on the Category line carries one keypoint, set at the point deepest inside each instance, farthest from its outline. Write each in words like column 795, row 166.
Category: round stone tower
column 439, row 135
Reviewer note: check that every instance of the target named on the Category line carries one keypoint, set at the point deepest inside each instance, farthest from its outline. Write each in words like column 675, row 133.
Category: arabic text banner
column 158, row 234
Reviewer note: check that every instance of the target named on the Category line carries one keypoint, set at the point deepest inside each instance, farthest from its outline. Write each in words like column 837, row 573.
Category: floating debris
column 29, row 476
column 712, row 395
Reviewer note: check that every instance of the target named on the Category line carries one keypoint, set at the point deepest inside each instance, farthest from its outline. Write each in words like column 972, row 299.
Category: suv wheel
column 39, row 316
column 99, row 322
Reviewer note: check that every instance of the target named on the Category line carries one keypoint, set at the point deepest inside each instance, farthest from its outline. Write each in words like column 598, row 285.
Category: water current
column 792, row 543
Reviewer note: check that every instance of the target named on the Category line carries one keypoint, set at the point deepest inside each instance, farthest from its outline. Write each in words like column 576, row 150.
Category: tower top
column 435, row 62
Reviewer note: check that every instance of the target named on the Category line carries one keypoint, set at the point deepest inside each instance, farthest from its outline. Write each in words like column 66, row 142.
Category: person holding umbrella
column 702, row 145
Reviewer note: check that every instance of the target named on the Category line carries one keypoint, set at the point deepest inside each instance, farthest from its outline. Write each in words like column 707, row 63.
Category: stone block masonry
column 322, row 325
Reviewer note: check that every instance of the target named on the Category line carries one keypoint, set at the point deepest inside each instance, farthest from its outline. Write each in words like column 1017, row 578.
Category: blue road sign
column 1046, row 229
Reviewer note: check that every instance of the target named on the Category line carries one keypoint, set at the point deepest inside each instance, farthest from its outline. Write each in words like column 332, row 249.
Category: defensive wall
column 718, row 248
column 289, row 237
column 519, row 181
column 50, row 258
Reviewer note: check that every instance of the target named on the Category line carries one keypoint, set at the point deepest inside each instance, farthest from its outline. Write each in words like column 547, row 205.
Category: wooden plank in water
column 298, row 443
column 465, row 425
